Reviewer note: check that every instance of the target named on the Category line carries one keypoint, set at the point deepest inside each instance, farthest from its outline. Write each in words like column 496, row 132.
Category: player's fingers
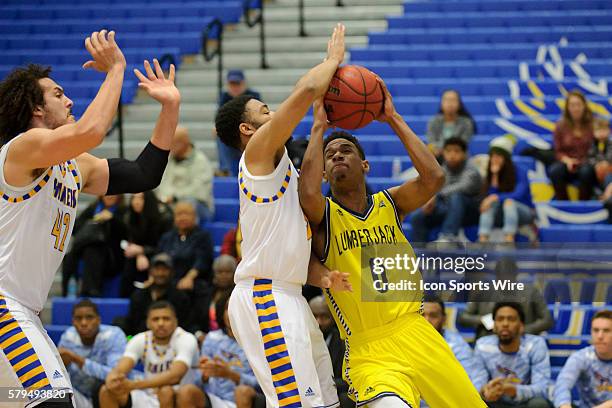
column 111, row 38
column 158, row 70
column 149, row 71
column 95, row 41
column 146, row 87
column 172, row 73
column 102, row 38
column 88, row 64
column 88, row 46
column 140, row 76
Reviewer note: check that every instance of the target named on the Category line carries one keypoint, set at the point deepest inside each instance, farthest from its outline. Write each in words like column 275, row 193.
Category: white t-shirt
column 157, row 358
column 276, row 236
column 36, row 223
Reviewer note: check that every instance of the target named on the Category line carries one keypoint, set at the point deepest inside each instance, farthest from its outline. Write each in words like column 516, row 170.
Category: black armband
column 142, row 174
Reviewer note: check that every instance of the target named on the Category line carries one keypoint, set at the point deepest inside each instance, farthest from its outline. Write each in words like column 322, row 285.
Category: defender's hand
column 105, row 52
column 157, row 86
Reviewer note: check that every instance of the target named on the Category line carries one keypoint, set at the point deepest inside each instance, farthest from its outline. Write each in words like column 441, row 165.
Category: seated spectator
column 89, row 351
column 232, row 242
column 227, row 380
column 228, row 156
column 335, row 345
column 158, row 287
column 96, row 242
column 145, row 224
column 514, row 368
column 435, row 313
column 589, row 368
column 167, row 353
column 600, row 154
column 572, row 139
column 190, row 248
column 456, row 205
column 452, row 120
column 507, row 203
column 478, row 312
column 188, row 176
column 205, row 316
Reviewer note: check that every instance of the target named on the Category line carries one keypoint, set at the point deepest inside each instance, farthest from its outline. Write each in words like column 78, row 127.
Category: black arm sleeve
column 143, row 174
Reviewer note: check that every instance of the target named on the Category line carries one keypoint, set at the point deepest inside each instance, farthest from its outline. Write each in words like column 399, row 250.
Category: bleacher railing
column 252, row 17
column 302, row 18
column 213, row 35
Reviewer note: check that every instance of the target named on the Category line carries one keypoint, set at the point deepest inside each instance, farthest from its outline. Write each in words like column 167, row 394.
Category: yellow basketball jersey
column 369, row 247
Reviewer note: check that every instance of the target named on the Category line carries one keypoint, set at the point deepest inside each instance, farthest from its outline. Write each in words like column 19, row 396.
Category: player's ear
column 38, row 112
column 247, row 129
column 325, row 176
column 365, row 165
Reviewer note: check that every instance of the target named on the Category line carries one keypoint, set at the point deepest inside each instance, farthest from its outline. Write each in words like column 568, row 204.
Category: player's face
column 257, row 114
column 224, row 276
column 497, row 162
column 58, row 107
column 86, row 322
column 450, row 102
column 601, row 336
column 507, row 325
column 342, row 162
column 162, row 322
column 575, row 107
column 433, row 313
column 454, row 156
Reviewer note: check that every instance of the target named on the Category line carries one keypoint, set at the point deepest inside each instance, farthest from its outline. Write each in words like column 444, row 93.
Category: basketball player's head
column 239, row 119
column 86, row 319
column 29, row 99
column 161, row 320
column 434, row 312
column 454, row 152
column 321, row 312
column 344, row 160
column 601, row 334
column 508, row 321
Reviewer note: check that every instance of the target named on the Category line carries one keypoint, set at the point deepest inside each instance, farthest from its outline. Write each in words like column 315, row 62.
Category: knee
column 586, row 173
column 509, row 203
column 538, row 402
column 243, row 395
column 165, row 395
column 557, row 171
column 417, row 217
column 456, row 200
column 187, row 394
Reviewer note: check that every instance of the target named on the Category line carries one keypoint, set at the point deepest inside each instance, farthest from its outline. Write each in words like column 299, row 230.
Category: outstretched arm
column 413, row 193
column 261, row 152
column 321, row 277
column 116, row 176
column 40, row 148
column 311, row 172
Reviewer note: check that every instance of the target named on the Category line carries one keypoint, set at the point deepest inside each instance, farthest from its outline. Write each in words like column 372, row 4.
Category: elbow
column 439, row 178
column 94, row 131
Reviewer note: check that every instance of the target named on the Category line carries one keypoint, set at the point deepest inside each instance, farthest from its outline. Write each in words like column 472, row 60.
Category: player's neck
column 355, row 199
column 160, row 341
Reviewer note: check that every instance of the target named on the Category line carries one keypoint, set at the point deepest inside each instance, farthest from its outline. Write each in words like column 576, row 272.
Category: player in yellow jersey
column 394, row 356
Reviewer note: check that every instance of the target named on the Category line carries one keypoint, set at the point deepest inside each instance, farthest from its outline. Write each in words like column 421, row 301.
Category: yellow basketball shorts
column 408, row 359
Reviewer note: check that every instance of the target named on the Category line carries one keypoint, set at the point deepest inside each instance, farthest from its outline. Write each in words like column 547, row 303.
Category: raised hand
column 337, row 281
column 319, row 115
column 335, row 46
column 388, row 109
column 105, row 52
column 156, row 85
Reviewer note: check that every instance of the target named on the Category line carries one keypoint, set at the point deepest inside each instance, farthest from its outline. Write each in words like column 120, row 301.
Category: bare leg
column 165, row 395
column 244, row 396
column 190, row 396
column 110, row 399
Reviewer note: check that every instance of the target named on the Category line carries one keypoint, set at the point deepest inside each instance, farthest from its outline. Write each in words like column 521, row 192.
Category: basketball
column 354, row 97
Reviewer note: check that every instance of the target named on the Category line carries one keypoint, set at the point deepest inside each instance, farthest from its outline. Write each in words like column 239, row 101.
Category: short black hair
column 85, row 303
column 514, row 305
column 456, row 141
column 228, row 120
column 340, row 134
column 433, row 298
column 161, row 304
column 20, row 94
column 602, row 314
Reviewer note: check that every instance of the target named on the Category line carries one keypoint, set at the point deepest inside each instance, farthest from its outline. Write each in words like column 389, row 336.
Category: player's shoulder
column 453, row 337
column 70, row 336
column 108, row 332
column 487, row 343
column 182, row 336
column 533, row 342
column 139, row 338
column 584, row 354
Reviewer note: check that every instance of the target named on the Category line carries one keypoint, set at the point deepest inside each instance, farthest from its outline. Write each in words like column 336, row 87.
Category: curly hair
column 228, row 120
column 20, row 94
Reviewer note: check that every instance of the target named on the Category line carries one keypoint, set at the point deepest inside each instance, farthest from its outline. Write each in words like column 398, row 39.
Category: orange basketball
column 354, row 97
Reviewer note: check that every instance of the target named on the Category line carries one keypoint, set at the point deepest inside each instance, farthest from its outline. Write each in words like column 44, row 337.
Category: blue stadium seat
column 108, row 308
column 55, row 331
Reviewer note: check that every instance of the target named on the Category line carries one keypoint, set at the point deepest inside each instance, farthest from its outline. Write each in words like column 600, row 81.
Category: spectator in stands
column 514, row 367
column 228, row 156
column 600, row 154
column 98, row 232
column 435, row 313
column 478, row 311
column 226, row 376
column 89, row 351
column 456, row 205
column 188, row 176
column 167, row 353
column 335, row 345
column 158, row 287
column 205, row 316
column 190, row 248
column 507, row 203
column 589, row 368
column 145, row 224
column 452, row 120
column 232, row 241
column 572, row 139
